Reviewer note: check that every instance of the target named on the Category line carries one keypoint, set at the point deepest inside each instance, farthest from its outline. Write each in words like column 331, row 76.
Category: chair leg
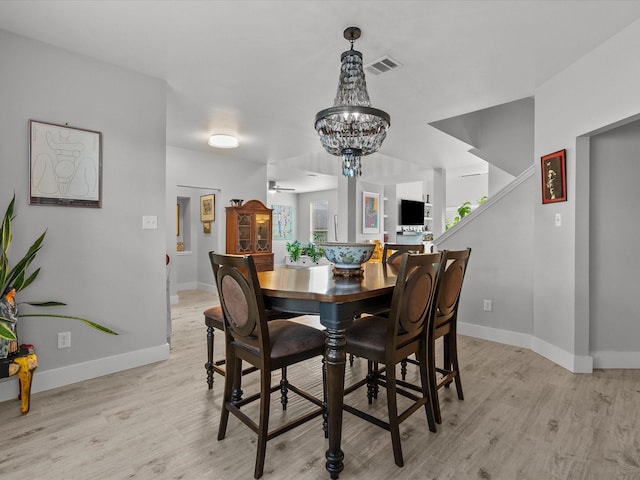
column 263, row 427
column 394, row 425
column 371, row 383
column 454, row 364
column 446, row 356
column 403, row 368
column 231, row 382
column 284, row 389
column 351, row 359
column 426, row 392
column 432, row 380
column 209, row 365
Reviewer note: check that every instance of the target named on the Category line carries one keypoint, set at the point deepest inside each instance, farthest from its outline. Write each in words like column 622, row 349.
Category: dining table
column 337, row 299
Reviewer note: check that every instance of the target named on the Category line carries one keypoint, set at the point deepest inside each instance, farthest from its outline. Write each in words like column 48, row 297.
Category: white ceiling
column 262, row 69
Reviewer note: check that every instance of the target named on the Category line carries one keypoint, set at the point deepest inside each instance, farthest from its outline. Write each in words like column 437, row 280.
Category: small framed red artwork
column 554, row 180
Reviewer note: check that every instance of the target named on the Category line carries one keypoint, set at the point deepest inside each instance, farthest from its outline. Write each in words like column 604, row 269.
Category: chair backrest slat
column 451, row 284
column 413, row 298
column 241, row 299
column 392, row 252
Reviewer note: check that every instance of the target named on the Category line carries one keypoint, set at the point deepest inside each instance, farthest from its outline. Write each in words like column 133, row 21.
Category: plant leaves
column 95, row 325
column 6, row 333
column 29, row 280
column 20, row 267
column 50, row 303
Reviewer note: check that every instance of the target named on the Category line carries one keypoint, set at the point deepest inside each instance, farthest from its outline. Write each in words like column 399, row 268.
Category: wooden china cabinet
column 249, row 232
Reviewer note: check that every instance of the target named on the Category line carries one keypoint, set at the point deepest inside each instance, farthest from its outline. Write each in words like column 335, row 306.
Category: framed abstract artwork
column 65, row 165
column 282, row 222
column 370, row 212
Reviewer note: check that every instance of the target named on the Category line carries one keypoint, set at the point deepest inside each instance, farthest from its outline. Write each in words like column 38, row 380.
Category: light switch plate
column 149, row 222
column 558, row 220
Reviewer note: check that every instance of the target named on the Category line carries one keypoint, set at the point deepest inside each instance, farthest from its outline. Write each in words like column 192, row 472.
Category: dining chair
column 445, row 326
column 392, row 252
column 213, row 320
column 266, row 345
column 388, row 339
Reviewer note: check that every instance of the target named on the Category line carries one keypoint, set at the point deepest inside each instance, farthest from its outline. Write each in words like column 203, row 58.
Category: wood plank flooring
column 523, row 417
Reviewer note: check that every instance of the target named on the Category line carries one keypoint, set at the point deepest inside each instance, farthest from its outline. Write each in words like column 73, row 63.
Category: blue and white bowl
column 348, row 255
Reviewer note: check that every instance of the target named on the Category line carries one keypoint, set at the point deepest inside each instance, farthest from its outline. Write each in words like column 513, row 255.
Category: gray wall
column 500, row 269
column 98, row 261
column 501, row 134
column 614, row 234
column 213, row 172
column 192, row 265
column 599, row 90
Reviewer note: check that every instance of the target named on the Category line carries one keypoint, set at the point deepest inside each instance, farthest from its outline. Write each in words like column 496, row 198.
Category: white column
column 439, row 200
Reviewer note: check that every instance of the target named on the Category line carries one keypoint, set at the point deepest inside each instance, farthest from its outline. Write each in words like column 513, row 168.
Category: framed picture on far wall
column 282, row 228
column 370, row 212
column 554, row 181
column 207, row 208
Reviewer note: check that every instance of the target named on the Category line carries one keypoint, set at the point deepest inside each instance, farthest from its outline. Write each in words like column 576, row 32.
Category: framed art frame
column 177, row 219
column 283, row 222
column 554, row 180
column 65, row 165
column 207, row 208
column 370, row 212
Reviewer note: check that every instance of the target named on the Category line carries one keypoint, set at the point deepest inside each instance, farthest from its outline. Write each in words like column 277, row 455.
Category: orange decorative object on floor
column 23, row 365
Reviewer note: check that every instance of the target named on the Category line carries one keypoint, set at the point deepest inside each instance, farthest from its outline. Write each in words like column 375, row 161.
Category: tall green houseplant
column 18, row 278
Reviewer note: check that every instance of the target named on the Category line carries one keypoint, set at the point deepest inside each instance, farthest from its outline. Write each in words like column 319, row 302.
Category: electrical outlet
column 488, row 305
column 64, row 339
column 558, row 220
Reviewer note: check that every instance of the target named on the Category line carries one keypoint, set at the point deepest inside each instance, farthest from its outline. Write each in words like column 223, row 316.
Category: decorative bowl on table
column 348, row 257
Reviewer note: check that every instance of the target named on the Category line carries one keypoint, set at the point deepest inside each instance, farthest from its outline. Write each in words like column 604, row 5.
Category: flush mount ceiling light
column 352, row 128
column 220, row 140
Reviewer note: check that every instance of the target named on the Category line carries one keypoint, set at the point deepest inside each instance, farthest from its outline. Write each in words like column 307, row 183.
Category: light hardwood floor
column 523, row 418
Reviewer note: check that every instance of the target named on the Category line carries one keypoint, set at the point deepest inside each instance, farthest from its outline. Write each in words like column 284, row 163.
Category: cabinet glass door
column 244, row 233
column 263, row 231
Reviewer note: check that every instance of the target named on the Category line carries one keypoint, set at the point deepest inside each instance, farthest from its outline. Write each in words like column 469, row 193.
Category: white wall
column 497, row 180
column 462, row 189
column 614, row 232
column 211, row 172
column 500, row 269
column 598, row 90
column 98, row 261
column 192, row 265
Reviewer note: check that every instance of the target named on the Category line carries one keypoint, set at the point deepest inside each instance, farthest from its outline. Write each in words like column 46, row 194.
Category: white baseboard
column 58, row 377
column 609, row 359
column 495, row 335
column 205, row 287
column 573, row 363
column 186, row 286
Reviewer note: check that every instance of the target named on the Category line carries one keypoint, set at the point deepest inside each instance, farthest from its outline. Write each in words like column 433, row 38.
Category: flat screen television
column 411, row 212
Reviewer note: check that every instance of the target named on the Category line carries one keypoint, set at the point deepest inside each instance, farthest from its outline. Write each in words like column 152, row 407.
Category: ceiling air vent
column 382, row 65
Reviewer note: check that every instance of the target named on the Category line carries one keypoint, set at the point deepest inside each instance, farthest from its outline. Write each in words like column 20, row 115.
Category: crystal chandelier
column 352, row 128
